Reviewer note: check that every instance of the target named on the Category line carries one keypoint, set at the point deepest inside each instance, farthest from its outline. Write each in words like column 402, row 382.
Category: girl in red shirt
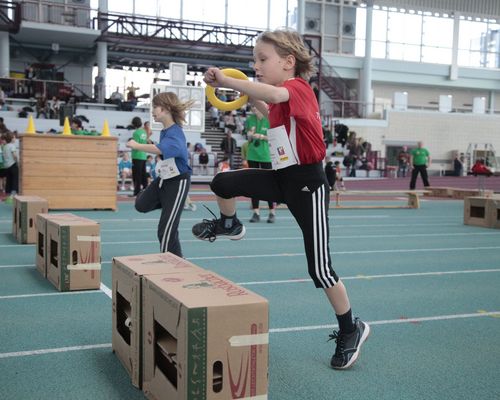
column 282, row 93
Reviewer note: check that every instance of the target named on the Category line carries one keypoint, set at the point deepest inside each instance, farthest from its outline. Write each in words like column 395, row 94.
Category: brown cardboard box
column 127, row 277
column 482, row 211
column 25, row 209
column 204, row 338
column 494, row 212
column 74, row 254
column 475, row 211
column 41, row 238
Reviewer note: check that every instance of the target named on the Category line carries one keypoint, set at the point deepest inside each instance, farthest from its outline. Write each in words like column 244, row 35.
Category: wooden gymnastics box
column 204, row 338
column 24, row 211
column 127, row 277
column 70, row 171
column 482, row 211
column 41, row 238
column 73, row 254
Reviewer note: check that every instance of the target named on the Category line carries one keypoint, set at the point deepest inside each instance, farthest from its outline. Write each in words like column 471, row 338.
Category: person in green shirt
column 139, row 175
column 420, row 160
column 77, row 128
column 258, row 155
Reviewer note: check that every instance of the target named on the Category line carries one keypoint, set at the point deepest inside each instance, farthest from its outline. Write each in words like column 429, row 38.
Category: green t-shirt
column 83, row 132
column 140, row 136
column 258, row 150
column 420, row 156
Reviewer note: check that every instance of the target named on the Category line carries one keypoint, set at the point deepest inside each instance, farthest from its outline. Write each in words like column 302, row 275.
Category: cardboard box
column 25, row 209
column 475, row 211
column 494, row 212
column 127, row 277
column 204, row 338
column 73, row 254
column 41, row 238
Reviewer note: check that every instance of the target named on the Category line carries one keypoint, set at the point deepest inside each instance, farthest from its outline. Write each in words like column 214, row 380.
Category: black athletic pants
column 305, row 190
column 139, row 175
column 170, row 197
column 422, row 169
column 262, row 165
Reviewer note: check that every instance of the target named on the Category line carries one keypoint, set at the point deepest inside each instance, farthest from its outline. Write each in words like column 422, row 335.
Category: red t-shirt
column 300, row 116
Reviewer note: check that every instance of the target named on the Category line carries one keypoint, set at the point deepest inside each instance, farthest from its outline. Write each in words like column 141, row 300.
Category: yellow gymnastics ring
column 227, row 105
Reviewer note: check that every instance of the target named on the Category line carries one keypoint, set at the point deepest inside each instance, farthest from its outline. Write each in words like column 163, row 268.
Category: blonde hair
column 289, row 42
column 173, row 105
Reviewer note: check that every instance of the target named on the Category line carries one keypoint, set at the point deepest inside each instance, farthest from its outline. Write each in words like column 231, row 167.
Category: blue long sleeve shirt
column 173, row 144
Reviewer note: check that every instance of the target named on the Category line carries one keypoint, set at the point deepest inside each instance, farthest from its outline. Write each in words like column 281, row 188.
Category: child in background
column 10, row 165
column 125, row 169
column 169, row 190
column 339, row 181
column 282, row 67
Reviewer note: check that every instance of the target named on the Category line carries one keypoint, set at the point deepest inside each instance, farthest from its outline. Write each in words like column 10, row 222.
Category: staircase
column 344, row 98
column 213, row 136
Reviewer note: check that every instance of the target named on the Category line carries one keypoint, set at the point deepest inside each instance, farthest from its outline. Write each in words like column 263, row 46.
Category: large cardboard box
column 482, row 211
column 74, row 254
column 127, row 277
column 41, row 238
column 25, row 209
column 204, row 338
column 494, row 212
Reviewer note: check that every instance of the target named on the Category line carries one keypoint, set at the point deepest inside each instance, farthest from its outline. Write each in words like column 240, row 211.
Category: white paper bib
column 282, row 154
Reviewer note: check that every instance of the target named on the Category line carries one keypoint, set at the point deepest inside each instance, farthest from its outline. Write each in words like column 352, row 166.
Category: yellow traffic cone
column 31, row 125
column 67, row 128
column 105, row 129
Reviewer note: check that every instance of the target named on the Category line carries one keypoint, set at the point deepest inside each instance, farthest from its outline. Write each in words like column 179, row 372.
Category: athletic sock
column 227, row 221
column 345, row 322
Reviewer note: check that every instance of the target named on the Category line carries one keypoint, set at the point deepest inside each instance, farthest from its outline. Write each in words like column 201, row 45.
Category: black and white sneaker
column 211, row 229
column 349, row 345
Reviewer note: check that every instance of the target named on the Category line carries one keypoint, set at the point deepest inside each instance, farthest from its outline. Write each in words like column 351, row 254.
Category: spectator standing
column 458, row 166
column 228, row 146
column 139, row 157
column 259, row 156
column 10, row 165
column 403, row 162
column 117, row 98
column 420, row 159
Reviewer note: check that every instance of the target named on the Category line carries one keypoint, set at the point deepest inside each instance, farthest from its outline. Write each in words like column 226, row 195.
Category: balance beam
column 413, row 198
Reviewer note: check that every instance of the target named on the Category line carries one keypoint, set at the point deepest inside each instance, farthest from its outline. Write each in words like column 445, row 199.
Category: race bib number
column 167, row 169
column 282, row 154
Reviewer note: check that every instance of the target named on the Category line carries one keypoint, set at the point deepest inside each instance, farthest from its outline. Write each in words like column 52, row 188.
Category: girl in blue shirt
column 169, row 190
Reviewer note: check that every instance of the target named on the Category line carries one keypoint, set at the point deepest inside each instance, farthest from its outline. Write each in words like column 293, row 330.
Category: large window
column 424, row 37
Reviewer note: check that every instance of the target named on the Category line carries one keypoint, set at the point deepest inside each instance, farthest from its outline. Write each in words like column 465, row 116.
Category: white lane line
column 358, row 277
column 335, row 237
column 287, row 227
column 274, row 330
column 391, row 321
column 57, row 350
column 107, row 291
column 350, row 252
column 20, row 296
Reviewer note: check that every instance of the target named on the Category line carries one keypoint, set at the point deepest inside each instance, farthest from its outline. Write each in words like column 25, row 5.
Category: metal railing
column 61, row 13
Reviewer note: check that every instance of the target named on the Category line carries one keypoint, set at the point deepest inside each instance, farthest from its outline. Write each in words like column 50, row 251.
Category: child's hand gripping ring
column 227, row 105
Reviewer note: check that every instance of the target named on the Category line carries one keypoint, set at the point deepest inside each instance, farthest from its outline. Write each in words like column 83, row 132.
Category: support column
column 491, row 102
column 366, row 72
column 454, row 48
column 301, row 15
column 102, row 63
column 4, row 55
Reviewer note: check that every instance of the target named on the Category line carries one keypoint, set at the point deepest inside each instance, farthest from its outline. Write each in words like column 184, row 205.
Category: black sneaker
column 271, row 219
column 349, row 345
column 255, row 218
column 211, row 229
